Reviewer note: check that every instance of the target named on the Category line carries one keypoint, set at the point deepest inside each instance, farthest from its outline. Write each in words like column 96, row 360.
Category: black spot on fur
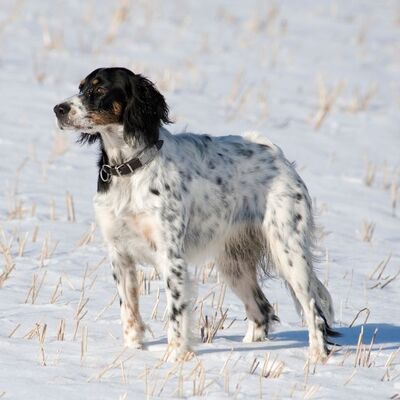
column 172, row 253
column 174, row 313
column 177, row 273
column 170, row 217
column 242, row 151
column 177, row 196
column 265, row 308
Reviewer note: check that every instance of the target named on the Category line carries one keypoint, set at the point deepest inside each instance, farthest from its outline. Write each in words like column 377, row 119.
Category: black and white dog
column 173, row 200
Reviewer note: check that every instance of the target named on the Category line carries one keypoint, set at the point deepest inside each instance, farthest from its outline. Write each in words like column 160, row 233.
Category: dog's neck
column 117, row 149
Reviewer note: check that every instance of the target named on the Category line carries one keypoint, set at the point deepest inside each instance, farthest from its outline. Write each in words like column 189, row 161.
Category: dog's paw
column 134, row 340
column 178, row 353
column 255, row 333
column 134, row 344
column 133, row 336
column 317, row 355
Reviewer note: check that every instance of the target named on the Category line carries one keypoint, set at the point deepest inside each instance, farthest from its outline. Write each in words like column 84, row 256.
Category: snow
column 225, row 67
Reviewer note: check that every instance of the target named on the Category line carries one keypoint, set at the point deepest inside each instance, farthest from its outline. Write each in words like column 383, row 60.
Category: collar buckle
column 117, row 167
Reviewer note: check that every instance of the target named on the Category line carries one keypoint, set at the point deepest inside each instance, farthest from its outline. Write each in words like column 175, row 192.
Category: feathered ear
column 145, row 111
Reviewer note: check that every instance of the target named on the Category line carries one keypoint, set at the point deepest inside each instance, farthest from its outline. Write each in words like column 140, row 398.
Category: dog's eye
column 100, row 90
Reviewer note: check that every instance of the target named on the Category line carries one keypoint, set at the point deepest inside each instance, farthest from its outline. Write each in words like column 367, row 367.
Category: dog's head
column 114, row 96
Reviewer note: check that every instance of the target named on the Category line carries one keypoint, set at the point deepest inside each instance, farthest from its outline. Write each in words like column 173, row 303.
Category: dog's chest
column 142, row 226
column 129, row 222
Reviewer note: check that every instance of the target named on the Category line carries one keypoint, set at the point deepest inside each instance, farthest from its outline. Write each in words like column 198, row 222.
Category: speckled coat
column 233, row 199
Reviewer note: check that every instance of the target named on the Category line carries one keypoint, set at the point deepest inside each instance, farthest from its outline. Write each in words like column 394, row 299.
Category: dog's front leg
column 124, row 273
column 178, row 303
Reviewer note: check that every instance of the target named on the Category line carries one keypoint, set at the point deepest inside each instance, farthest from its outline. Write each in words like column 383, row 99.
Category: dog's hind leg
column 288, row 228
column 241, row 276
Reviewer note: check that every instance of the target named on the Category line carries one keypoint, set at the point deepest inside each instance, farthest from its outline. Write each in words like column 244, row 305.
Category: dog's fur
column 236, row 199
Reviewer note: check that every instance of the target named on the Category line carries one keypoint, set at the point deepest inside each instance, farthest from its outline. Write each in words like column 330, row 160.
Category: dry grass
column 48, row 249
column 61, row 330
column 8, row 268
column 210, row 326
column 80, row 312
column 14, row 330
column 271, row 369
column 84, row 340
column 394, row 194
column 88, row 236
column 69, row 200
column 34, row 289
column 51, row 40
column 363, row 352
column 380, row 280
column 389, row 365
column 119, row 16
column 361, row 100
column 367, row 231
column 370, row 172
column 367, row 312
column 326, row 100
column 115, row 363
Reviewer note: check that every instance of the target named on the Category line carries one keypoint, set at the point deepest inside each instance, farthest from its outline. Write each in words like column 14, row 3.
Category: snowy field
column 319, row 78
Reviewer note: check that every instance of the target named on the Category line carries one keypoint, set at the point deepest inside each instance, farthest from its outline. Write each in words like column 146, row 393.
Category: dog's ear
column 145, row 111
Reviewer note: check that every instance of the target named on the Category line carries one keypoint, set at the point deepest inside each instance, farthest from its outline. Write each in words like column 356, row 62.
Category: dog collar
column 128, row 168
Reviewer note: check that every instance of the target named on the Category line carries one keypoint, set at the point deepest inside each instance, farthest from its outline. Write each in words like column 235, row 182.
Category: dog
column 174, row 200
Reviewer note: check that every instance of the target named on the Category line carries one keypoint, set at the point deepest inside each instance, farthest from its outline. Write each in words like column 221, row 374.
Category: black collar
column 143, row 158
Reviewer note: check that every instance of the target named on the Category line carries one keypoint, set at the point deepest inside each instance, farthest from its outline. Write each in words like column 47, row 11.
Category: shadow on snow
column 386, row 334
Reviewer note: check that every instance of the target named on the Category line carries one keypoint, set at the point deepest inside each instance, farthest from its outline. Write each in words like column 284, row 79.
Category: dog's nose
column 62, row 109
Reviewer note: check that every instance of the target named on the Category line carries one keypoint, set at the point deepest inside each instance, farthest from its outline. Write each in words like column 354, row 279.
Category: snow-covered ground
column 319, row 78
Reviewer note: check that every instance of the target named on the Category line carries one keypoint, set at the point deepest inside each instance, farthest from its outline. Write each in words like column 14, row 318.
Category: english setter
column 174, row 200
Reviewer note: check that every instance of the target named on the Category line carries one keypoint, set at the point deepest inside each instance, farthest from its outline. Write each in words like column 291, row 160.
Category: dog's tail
column 322, row 298
column 256, row 137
